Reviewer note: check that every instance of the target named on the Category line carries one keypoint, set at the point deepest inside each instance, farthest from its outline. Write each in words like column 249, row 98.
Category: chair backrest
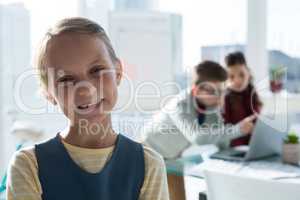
column 222, row 186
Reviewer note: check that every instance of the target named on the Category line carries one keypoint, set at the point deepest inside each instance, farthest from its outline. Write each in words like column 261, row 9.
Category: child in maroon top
column 241, row 99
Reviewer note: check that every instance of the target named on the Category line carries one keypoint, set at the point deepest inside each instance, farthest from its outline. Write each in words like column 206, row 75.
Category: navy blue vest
column 61, row 178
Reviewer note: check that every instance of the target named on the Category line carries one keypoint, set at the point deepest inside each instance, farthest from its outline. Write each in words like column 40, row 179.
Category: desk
column 272, row 169
column 196, row 159
column 176, row 170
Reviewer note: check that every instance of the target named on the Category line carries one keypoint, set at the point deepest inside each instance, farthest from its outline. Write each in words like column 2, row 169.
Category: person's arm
column 22, row 181
column 155, row 185
column 202, row 134
column 164, row 137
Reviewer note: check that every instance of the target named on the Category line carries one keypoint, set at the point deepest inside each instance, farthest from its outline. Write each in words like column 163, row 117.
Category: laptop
column 266, row 141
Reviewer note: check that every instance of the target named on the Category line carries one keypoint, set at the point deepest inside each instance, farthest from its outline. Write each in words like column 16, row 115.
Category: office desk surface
column 196, row 159
column 271, row 169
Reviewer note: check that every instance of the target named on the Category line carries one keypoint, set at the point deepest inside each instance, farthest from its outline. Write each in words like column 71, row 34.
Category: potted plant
column 291, row 149
column 276, row 81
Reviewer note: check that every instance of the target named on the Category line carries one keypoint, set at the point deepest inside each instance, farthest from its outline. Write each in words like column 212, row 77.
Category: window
column 210, row 28
column 284, row 42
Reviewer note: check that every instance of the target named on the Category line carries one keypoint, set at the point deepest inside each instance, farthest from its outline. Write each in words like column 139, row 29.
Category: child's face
column 82, row 78
column 210, row 93
column 238, row 77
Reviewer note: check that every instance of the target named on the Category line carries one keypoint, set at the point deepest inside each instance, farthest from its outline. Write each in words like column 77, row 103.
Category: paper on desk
column 257, row 169
column 203, row 150
column 216, row 165
column 270, row 170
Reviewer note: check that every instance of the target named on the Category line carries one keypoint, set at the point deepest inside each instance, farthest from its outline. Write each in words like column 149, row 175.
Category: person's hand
column 247, row 124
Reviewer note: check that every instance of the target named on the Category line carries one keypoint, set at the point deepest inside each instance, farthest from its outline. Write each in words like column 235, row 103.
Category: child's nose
column 86, row 92
column 83, row 92
column 239, row 82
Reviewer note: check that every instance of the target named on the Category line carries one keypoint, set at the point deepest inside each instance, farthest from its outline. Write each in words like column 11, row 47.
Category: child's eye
column 96, row 70
column 66, row 80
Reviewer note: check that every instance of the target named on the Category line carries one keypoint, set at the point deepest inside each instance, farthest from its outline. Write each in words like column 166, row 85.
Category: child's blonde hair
column 69, row 25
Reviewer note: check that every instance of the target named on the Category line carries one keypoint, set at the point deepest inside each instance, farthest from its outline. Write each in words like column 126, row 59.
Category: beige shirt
column 23, row 181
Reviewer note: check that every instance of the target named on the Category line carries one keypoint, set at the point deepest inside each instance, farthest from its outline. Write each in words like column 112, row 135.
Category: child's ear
column 49, row 97
column 119, row 71
column 194, row 90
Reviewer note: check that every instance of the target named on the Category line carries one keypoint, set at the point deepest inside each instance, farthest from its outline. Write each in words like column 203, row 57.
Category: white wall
column 96, row 10
column 149, row 45
column 14, row 58
column 121, row 5
column 257, row 55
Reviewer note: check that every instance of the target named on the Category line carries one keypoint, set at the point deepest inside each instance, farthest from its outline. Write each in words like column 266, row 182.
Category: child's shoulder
column 23, row 173
column 25, row 157
column 180, row 101
column 153, row 160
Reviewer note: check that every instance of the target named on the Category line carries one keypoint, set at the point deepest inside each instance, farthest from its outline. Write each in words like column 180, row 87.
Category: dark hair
column 210, row 71
column 235, row 58
column 238, row 58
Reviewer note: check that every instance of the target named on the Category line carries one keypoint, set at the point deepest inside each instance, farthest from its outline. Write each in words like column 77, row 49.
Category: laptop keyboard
column 238, row 154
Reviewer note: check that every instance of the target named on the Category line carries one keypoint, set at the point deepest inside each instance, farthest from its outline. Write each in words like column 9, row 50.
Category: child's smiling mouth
column 87, row 107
